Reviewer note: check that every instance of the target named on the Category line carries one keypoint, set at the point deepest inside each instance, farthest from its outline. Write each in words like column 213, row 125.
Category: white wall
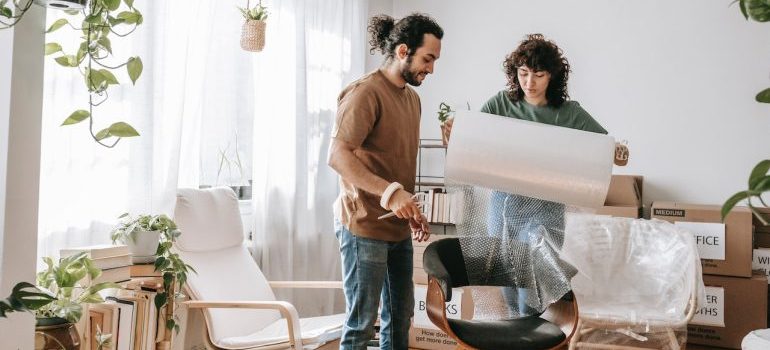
column 20, row 116
column 676, row 79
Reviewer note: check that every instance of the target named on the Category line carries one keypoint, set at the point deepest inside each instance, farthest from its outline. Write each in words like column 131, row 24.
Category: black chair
column 444, row 263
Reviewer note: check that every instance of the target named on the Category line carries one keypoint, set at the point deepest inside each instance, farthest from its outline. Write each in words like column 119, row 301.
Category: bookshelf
column 431, row 156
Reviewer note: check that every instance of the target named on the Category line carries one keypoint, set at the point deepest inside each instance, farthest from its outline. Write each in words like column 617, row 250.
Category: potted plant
column 445, row 112
column 57, row 299
column 253, row 30
column 160, row 233
column 142, row 235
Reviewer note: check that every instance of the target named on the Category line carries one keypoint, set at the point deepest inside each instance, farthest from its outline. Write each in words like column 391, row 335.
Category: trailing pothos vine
column 94, row 60
column 10, row 14
column 173, row 269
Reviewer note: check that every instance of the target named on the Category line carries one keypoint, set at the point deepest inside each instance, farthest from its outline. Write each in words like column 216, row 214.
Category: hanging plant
column 253, row 30
column 94, row 60
column 10, row 14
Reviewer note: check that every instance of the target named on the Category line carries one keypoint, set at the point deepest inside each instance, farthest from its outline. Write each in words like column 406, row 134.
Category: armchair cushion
column 315, row 330
column 209, row 219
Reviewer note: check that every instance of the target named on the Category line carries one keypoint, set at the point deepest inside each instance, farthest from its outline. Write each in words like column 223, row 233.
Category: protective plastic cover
column 632, row 271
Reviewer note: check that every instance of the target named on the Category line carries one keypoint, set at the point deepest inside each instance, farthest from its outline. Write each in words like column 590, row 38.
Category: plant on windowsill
column 239, row 186
column 171, row 267
column 57, row 299
column 759, row 179
column 93, row 58
column 253, row 30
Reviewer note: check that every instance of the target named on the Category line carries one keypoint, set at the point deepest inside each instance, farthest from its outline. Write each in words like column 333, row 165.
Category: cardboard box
column 624, row 197
column 724, row 248
column 733, row 307
column 760, row 264
column 423, row 334
column 761, row 239
column 758, row 225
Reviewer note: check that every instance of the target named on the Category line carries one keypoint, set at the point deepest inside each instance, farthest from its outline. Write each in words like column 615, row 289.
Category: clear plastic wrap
column 638, row 281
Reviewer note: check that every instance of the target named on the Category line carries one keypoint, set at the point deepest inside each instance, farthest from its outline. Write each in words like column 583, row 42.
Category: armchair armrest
column 287, row 311
column 306, row 284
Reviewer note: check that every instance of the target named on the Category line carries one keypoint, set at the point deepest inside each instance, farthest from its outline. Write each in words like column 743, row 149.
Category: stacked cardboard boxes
column 736, row 299
column 423, row 334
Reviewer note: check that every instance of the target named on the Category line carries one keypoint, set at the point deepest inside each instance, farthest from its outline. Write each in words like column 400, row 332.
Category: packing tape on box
column 537, row 160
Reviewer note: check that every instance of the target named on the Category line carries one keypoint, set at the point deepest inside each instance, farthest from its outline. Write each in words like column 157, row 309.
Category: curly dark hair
column 539, row 54
column 385, row 33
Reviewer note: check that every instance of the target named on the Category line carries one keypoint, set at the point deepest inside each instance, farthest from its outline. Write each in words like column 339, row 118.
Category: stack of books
column 113, row 260
column 131, row 316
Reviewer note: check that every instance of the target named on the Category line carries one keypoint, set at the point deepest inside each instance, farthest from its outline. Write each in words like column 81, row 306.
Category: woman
column 537, row 74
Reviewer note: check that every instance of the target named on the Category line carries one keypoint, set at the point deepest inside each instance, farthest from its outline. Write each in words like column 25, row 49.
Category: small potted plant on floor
column 253, row 30
column 142, row 235
column 57, row 300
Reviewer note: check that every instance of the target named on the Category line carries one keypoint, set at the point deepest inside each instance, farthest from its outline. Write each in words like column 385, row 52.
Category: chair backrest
column 212, row 243
column 444, row 259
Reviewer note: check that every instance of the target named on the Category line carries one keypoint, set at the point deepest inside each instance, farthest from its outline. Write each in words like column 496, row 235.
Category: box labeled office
column 724, row 248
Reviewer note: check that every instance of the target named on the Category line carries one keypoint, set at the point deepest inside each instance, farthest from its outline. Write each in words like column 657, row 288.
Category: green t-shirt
column 569, row 115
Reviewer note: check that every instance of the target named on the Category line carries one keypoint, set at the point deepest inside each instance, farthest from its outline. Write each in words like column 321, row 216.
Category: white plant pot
column 144, row 247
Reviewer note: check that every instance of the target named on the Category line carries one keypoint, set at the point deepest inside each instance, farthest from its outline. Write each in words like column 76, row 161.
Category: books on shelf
column 98, row 251
column 442, row 207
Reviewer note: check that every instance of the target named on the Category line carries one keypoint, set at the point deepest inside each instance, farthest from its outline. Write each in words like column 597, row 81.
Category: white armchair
column 239, row 307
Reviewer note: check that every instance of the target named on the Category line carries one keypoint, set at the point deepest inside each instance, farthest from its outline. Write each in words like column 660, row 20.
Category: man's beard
column 408, row 75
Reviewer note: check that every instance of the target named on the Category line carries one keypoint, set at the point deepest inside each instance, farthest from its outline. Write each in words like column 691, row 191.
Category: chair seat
column 530, row 332
column 315, row 331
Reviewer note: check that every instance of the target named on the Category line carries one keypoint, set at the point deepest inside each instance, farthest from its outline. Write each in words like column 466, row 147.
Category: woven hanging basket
column 253, row 35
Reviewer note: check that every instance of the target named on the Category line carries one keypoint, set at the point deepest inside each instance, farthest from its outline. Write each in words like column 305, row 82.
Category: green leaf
column 105, row 43
column 121, row 129
column 72, row 12
column 108, row 77
column 732, row 201
column 103, row 134
column 56, row 25
column 764, row 96
column 6, row 12
column 52, row 48
column 160, row 300
column 130, row 17
column 76, row 117
column 129, row 3
column 67, row 60
column 742, row 5
column 170, row 324
column 762, row 185
column 134, row 68
column 112, row 5
column 93, row 19
column 758, row 173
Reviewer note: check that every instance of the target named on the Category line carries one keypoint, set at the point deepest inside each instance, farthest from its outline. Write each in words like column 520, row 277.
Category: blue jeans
column 374, row 269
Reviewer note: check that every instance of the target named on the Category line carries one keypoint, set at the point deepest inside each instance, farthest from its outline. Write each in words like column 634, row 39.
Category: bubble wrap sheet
column 514, row 242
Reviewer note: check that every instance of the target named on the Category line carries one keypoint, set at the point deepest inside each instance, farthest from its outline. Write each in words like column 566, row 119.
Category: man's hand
column 405, row 207
column 420, row 228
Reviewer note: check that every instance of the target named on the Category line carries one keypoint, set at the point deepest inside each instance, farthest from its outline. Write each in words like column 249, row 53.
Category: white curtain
column 180, row 95
column 313, row 49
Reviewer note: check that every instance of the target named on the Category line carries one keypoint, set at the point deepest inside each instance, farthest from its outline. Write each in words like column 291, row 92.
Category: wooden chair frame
column 287, row 310
column 587, row 324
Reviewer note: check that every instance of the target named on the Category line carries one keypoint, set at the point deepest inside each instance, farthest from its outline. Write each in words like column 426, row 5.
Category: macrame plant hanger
column 253, row 31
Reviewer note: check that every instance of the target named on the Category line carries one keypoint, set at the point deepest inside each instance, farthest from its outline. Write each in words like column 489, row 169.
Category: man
column 374, row 150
